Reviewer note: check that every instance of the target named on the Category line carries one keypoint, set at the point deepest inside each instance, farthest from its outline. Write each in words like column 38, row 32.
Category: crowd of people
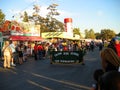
column 109, row 53
column 108, row 77
column 18, row 52
column 42, row 51
column 14, row 52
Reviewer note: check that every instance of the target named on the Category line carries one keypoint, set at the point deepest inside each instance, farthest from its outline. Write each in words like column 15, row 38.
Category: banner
column 66, row 57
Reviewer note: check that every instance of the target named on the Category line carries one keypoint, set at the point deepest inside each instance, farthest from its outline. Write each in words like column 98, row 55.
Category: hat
column 115, row 38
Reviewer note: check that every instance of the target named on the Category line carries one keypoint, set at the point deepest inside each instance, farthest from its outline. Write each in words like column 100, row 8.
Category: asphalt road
column 41, row 75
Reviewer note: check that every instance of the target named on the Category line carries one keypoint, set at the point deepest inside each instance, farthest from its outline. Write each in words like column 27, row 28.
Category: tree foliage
column 107, row 34
column 2, row 17
column 86, row 33
column 53, row 24
column 25, row 17
column 92, row 33
column 89, row 34
column 76, row 31
column 118, row 34
column 98, row 35
column 50, row 23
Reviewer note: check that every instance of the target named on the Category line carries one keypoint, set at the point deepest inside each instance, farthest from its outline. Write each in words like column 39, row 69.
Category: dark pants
column 35, row 55
column 40, row 54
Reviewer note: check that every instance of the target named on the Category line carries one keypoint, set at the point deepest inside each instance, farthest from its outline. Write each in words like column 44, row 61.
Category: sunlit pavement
column 41, row 75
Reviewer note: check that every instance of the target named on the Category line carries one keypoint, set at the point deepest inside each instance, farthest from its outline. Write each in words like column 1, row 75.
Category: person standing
column 109, row 81
column 110, row 60
column 7, row 54
column 115, row 45
column 82, row 50
column 20, row 53
column 40, row 51
column 13, row 48
column 36, row 51
column 100, row 46
column 96, row 75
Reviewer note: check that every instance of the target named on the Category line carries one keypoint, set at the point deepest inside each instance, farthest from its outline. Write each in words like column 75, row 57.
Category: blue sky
column 86, row 14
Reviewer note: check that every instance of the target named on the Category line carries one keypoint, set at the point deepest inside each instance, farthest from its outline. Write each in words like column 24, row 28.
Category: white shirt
column 12, row 46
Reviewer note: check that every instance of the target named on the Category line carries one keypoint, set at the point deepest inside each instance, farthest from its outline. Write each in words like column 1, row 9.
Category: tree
column 89, row 34
column 118, row 34
column 52, row 11
column 36, row 15
column 76, row 31
column 107, row 34
column 86, row 33
column 98, row 35
column 50, row 16
column 2, row 17
column 25, row 17
column 48, row 24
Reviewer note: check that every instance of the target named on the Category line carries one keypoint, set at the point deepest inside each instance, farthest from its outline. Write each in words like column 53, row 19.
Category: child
column 110, row 81
column 97, row 74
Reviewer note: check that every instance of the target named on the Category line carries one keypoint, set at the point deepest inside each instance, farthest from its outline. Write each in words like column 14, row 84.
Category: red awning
column 35, row 38
column 25, row 38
